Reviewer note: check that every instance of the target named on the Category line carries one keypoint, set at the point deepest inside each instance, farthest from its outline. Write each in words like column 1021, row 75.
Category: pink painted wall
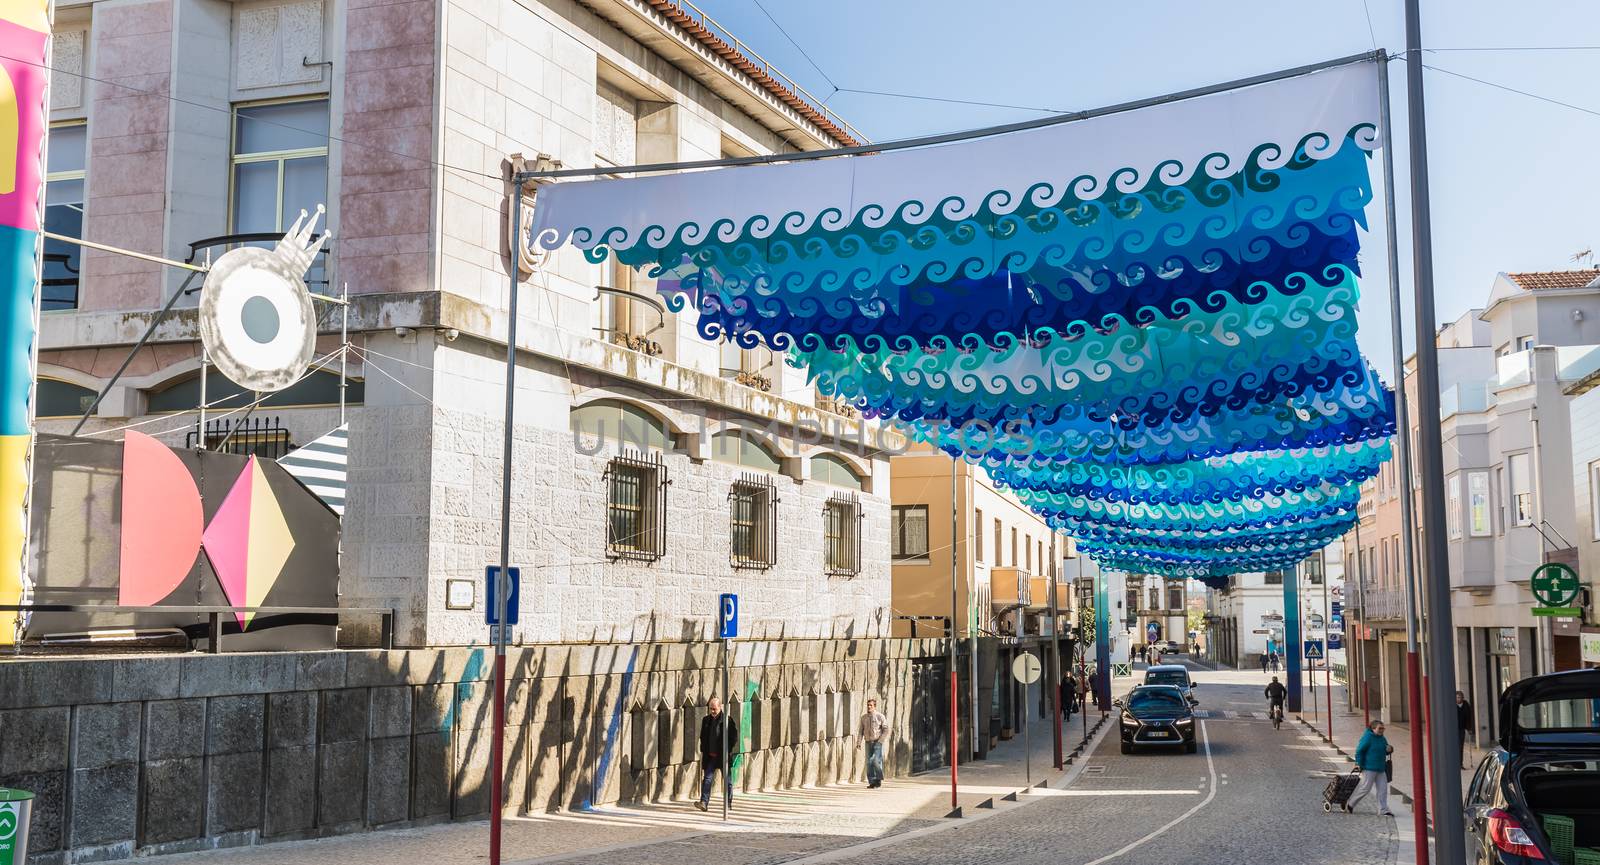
column 386, row 198
column 128, row 149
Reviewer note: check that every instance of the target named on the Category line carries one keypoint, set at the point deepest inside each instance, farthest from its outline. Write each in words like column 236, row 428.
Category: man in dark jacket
column 712, row 758
column 1465, row 723
column 1069, row 696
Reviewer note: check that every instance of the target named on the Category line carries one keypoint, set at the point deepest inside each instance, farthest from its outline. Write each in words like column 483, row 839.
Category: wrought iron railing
column 753, row 522
column 841, row 533
column 263, row 437
column 636, row 507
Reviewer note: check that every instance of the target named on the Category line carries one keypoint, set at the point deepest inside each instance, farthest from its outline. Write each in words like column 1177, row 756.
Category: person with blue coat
column 1372, row 754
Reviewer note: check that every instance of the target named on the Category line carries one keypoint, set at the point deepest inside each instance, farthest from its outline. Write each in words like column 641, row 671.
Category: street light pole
column 1327, row 633
column 954, row 635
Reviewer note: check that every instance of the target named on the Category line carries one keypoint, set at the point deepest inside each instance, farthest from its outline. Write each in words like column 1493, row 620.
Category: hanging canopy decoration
column 1142, row 322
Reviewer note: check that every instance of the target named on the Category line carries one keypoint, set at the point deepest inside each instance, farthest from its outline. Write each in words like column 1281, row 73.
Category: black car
column 1156, row 715
column 1536, row 797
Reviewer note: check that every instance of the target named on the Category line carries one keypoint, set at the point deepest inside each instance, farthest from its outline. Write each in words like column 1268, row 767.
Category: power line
column 763, row 8
column 1520, row 48
column 1579, row 108
column 953, row 100
column 1371, row 31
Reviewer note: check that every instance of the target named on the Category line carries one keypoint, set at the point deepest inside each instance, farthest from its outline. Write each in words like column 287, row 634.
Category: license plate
column 1158, row 734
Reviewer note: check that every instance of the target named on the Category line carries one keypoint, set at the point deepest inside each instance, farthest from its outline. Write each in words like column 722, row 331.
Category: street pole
column 1102, row 641
column 497, row 742
column 1327, row 631
column 1292, row 644
column 1054, row 668
column 955, row 618
column 1361, row 556
column 727, row 713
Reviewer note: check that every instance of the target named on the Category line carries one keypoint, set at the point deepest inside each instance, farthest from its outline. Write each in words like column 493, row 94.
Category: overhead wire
column 1510, row 89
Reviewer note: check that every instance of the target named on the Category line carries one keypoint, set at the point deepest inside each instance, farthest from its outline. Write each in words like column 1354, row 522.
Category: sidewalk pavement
column 1348, row 727
column 799, row 822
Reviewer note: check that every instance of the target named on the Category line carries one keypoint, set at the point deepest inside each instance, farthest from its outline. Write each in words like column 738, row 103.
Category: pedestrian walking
column 712, row 759
column 1466, row 723
column 1372, row 753
column 874, row 728
column 1069, row 696
column 1264, row 662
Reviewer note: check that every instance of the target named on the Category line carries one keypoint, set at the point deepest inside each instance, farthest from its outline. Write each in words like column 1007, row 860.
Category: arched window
column 741, row 449
column 833, row 470
column 317, row 388
column 617, row 421
column 54, row 398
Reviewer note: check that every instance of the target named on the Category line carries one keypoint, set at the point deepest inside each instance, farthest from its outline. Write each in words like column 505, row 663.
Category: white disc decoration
column 256, row 318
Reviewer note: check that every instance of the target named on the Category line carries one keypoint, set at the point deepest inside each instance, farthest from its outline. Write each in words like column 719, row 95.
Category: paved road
column 1252, row 794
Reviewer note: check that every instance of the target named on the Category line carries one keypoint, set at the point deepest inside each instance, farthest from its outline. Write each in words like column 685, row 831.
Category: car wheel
column 1126, row 748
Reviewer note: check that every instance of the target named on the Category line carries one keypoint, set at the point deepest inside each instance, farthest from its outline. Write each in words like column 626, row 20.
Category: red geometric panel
column 161, row 521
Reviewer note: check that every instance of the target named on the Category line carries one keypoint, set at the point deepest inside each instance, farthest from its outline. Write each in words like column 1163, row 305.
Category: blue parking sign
column 513, row 590
column 728, row 617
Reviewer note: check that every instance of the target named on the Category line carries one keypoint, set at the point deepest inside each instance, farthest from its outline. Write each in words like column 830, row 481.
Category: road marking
column 1211, row 768
column 1306, row 747
column 1120, row 793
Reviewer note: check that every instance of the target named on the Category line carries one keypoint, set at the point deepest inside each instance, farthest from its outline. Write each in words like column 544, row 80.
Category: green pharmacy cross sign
column 1556, row 587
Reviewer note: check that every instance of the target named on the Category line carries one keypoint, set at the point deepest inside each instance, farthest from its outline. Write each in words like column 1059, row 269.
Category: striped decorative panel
column 321, row 465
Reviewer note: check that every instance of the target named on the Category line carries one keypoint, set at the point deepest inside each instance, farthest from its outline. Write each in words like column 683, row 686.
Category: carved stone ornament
column 529, row 259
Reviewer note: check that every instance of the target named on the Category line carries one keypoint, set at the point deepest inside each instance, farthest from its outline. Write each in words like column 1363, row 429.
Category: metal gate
column 930, row 715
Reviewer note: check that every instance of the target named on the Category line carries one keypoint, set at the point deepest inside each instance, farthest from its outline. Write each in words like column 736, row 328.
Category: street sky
column 1514, row 179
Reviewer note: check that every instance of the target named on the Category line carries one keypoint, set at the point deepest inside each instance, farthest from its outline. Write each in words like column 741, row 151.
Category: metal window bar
column 263, row 437
column 841, row 519
column 636, row 507
column 753, row 522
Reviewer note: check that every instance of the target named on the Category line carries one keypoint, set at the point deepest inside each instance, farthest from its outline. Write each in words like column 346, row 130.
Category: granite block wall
column 141, row 755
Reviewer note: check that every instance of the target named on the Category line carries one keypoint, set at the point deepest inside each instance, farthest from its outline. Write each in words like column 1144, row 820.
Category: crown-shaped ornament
column 298, row 247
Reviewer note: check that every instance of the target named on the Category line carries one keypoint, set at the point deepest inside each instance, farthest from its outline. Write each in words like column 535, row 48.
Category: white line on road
column 1210, row 768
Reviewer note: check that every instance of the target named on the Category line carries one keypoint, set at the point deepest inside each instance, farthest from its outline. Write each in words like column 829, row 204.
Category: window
column 621, row 422
column 63, row 214
column 1520, row 466
column 1027, row 553
column 1039, row 555
column 1478, row 504
column 753, row 522
column 752, row 367
column 636, row 505
column 1505, row 496
column 1013, row 548
column 280, row 166
column 318, row 388
column 910, row 530
column 52, row 398
column 1174, row 597
column 977, row 536
column 740, row 448
column 841, row 532
column 1452, row 506
column 830, row 469
column 1524, row 343
column 1274, row 578
column 1313, row 567
column 999, row 538
column 280, row 163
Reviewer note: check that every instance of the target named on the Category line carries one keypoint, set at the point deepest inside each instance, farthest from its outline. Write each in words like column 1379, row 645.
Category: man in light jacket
column 874, row 730
column 1372, row 753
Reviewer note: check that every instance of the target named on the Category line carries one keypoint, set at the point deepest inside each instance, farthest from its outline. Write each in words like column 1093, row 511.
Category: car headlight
column 1128, row 718
column 1185, row 720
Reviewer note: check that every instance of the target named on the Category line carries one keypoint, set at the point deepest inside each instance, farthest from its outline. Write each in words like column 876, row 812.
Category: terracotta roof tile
column 1536, row 280
column 757, row 71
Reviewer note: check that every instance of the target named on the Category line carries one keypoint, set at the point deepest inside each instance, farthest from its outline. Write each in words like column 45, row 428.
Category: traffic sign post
column 727, row 630
column 1026, row 669
column 495, row 589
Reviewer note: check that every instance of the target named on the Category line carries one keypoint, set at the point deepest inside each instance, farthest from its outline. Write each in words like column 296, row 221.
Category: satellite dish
column 256, row 318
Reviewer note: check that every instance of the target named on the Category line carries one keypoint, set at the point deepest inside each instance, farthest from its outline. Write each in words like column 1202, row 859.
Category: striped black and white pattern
column 321, row 465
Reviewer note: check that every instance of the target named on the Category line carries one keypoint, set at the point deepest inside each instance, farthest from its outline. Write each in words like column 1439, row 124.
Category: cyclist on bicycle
column 1276, row 694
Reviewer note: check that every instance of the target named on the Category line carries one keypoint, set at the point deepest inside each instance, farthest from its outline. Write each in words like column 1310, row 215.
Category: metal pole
column 344, row 351
column 1361, row 590
column 1055, row 651
column 1292, row 644
column 1102, row 641
column 954, row 635
column 1022, row 715
column 1327, row 631
column 497, row 743
column 727, row 712
column 200, row 437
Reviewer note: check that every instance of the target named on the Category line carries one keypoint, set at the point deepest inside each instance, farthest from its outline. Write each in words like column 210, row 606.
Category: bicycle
column 1276, row 713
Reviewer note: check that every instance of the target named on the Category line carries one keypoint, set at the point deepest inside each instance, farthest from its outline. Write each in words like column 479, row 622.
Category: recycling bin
column 16, row 808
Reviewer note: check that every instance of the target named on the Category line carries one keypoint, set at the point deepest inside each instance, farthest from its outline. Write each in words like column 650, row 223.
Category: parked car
column 1536, row 796
column 1156, row 715
column 1176, row 675
column 1173, row 647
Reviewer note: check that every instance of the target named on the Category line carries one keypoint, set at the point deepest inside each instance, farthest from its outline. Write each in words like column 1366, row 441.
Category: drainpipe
column 1543, row 623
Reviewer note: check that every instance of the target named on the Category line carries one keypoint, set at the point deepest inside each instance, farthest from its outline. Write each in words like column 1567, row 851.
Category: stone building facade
column 403, row 119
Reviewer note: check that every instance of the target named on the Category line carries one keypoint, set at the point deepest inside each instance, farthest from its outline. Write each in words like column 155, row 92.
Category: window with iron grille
column 249, row 436
column 753, row 522
column 636, row 507
column 841, row 534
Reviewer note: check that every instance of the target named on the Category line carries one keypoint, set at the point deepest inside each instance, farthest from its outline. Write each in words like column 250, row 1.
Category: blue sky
column 1515, row 184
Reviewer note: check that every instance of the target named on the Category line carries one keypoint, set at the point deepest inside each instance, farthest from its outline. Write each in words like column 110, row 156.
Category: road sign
column 728, row 617
column 1313, row 650
column 1563, row 612
column 1026, row 669
column 513, row 590
column 1554, row 584
column 1261, row 631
